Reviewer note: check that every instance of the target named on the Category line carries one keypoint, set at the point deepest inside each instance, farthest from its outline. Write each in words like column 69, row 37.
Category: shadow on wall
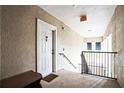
column 84, row 66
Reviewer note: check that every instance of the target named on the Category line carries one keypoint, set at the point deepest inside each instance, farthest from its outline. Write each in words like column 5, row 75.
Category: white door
column 44, row 48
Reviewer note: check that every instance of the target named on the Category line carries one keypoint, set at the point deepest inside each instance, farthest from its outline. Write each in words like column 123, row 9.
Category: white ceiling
column 98, row 17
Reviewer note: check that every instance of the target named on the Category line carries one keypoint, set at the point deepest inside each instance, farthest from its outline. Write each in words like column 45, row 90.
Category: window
column 98, row 45
column 89, row 46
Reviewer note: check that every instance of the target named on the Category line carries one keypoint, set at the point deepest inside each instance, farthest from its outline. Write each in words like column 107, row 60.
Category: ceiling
column 98, row 17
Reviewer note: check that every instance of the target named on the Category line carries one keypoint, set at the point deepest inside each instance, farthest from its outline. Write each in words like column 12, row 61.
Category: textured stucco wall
column 93, row 39
column 120, row 43
column 18, row 40
column 18, row 37
column 116, row 27
column 72, row 44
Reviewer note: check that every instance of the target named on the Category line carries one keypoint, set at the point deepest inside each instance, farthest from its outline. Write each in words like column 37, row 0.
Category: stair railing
column 68, row 60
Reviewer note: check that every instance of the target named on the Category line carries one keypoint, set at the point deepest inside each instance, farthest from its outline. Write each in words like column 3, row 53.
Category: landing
column 68, row 79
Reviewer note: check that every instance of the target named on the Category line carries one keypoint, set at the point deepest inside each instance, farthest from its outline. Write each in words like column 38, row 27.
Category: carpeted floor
column 68, row 79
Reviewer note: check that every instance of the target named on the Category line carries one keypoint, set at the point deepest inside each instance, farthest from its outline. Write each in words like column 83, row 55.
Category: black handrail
column 98, row 52
column 67, row 59
column 95, row 66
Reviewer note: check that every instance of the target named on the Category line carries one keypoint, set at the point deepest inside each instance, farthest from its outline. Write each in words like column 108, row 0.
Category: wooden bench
column 27, row 79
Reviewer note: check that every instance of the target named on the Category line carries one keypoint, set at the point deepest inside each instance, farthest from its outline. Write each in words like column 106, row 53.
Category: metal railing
column 67, row 59
column 98, row 63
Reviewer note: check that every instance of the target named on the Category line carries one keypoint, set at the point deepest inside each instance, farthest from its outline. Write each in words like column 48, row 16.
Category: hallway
column 68, row 79
column 82, row 38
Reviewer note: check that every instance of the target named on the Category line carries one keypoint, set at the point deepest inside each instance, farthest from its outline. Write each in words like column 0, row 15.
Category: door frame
column 54, row 45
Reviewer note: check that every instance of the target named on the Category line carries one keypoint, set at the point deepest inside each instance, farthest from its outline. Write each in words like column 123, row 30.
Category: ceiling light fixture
column 83, row 18
column 89, row 30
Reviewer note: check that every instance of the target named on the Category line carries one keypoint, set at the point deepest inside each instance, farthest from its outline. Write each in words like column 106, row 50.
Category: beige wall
column 116, row 27
column 18, row 38
column 72, row 44
column 93, row 39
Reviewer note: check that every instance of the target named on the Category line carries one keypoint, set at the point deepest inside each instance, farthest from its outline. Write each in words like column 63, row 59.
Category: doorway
column 46, row 48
